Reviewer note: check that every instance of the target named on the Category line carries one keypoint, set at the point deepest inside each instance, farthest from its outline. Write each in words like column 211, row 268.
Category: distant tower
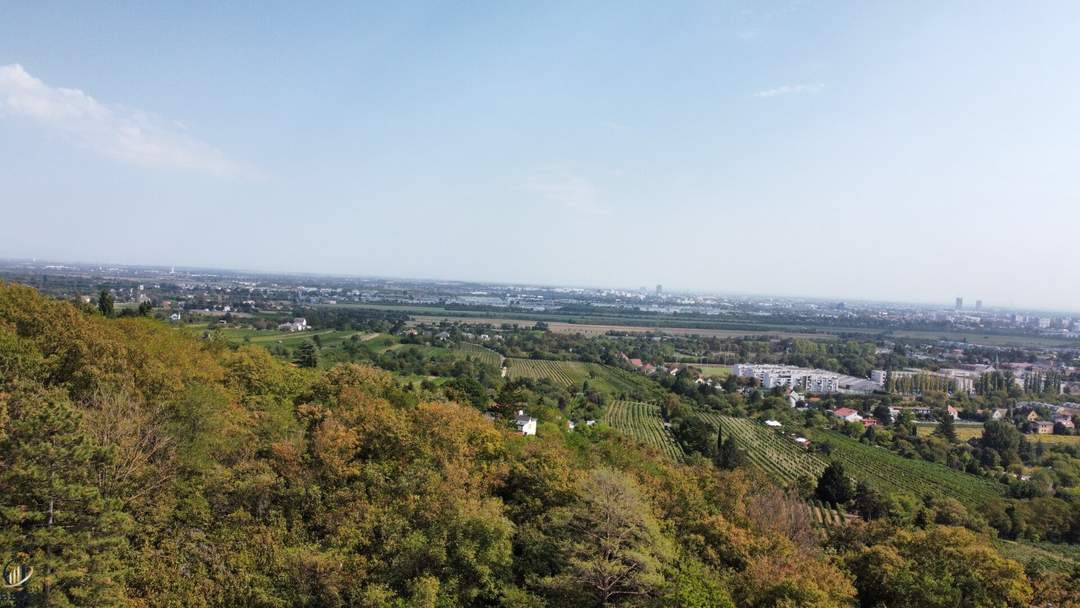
column 959, row 303
column 978, row 304
column 659, row 289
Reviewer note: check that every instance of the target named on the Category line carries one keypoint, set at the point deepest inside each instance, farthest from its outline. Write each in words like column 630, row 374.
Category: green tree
column 728, row 454
column 53, row 512
column 613, row 547
column 307, row 355
column 834, row 486
column 940, row 567
column 945, row 427
column 105, row 303
column 869, row 502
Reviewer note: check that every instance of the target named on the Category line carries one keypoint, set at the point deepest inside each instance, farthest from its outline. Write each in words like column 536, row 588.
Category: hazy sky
column 888, row 150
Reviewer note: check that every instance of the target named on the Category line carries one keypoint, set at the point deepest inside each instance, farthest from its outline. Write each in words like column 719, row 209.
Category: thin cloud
column 568, row 190
column 122, row 134
column 790, row 89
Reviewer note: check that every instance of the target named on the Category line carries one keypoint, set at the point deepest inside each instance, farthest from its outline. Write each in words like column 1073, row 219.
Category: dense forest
column 142, row 466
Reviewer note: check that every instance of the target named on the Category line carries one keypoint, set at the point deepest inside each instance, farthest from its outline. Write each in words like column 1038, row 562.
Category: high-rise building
column 959, row 302
column 978, row 304
column 659, row 289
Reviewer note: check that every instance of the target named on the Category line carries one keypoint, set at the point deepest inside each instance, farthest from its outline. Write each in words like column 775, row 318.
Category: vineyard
column 617, row 381
column 893, row 473
column 827, row 516
column 642, row 421
column 565, row 373
column 481, row 354
column 769, row 450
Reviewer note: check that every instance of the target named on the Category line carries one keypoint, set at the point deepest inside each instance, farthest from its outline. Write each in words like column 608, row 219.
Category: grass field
column 642, row 421
column 328, row 337
column 967, row 431
column 713, row 371
column 1065, row 439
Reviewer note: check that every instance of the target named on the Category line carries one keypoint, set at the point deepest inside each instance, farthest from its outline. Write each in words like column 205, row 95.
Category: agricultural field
column 892, row 473
column 619, row 382
column 769, row 450
column 713, row 371
column 591, row 326
column 482, row 354
column 963, row 431
column 642, row 421
column 328, row 337
column 984, row 339
column 566, row 373
column 827, row 516
column 1065, row 439
column 967, row 431
column 1042, row 555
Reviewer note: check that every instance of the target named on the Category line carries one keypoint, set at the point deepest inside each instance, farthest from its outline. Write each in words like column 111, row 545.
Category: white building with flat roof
column 799, row 378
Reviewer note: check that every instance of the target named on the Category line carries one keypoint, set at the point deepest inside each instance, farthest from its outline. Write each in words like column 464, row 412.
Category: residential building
column 847, row 414
column 525, row 424
column 297, row 324
column 878, row 377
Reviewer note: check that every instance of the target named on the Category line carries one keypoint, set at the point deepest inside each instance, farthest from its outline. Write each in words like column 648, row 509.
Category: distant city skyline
column 907, row 152
column 675, row 292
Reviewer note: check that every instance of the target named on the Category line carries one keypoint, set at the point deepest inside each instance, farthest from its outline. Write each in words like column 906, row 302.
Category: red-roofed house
column 848, row 414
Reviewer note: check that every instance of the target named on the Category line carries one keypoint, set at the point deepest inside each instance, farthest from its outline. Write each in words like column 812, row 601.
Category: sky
column 907, row 151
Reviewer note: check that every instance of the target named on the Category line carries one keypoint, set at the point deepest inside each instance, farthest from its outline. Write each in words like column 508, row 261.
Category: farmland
column 779, row 456
column 985, row 339
column 481, row 353
column 286, row 338
column 827, row 516
column 642, row 421
column 604, row 378
column 785, row 461
column 565, row 373
column 619, row 382
column 967, row 431
column 895, row 474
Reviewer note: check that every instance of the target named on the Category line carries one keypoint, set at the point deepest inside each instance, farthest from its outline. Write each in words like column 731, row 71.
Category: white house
column 297, row 324
column 525, row 424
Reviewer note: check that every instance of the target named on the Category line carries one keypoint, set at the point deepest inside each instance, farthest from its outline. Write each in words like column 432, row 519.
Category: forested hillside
column 140, row 466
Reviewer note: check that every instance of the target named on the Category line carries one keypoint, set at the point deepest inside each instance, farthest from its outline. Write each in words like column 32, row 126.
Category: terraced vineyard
column 642, row 421
column 565, row 373
column 826, row 515
column 779, row 456
column 895, row 474
column 482, row 354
